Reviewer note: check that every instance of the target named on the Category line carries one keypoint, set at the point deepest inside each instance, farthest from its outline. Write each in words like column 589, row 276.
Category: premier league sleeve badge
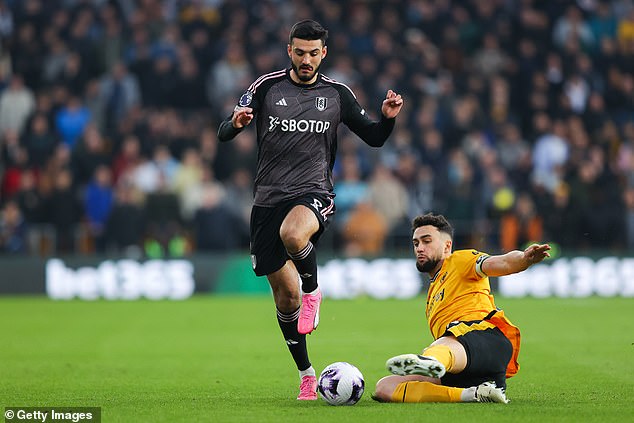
column 246, row 99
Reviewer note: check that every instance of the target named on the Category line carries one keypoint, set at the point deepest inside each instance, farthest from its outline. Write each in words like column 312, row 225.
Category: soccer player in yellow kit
column 476, row 346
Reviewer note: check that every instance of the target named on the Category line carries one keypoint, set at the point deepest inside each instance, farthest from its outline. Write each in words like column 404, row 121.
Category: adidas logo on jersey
column 282, row 102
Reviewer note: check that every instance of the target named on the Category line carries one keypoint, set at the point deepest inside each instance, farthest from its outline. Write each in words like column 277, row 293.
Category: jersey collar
column 305, row 86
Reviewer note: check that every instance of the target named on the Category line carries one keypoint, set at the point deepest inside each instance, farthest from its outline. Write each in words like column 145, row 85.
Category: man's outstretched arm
column 372, row 133
column 515, row 261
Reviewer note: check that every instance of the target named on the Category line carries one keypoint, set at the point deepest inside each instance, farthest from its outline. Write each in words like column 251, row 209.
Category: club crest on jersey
column 321, row 103
column 246, row 99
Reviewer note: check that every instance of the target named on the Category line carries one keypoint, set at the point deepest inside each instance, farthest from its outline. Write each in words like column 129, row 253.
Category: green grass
column 221, row 359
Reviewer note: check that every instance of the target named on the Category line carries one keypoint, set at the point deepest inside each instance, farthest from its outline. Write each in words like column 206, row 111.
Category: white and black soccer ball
column 341, row 383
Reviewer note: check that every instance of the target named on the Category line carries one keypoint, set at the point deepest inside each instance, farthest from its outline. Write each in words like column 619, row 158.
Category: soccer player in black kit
column 298, row 111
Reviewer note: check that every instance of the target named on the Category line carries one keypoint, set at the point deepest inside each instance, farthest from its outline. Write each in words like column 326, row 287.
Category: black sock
column 296, row 343
column 306, row 263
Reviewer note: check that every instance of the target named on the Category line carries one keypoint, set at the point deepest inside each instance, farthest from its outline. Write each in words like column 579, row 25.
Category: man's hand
column 536, row 253
column 391, row 105
column 242, row 116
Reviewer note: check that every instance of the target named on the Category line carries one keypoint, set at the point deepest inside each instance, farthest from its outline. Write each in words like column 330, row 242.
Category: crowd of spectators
column 518, row 124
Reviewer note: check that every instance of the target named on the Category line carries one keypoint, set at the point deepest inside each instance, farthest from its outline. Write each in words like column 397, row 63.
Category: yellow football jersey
column 460, row 291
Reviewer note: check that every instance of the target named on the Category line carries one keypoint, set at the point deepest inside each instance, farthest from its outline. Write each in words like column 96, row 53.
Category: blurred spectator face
column 59, row 94
column 587, row 172
column 11, row 138
column 93, row 139
column 17, row 83
column 188, row 69
column 64, row 180
column 60, row 19
column 306, row 57
column 131, row 147
column 32, row 7
column 162, row 65
column 525, row 206
column 44, row 102
column 559, row 129
column 242, row 178
column 541, row 123
column 460, row 170
column 595, row 102
column 62, row 154
column 406, row 168
column 73, row 103
column 73, row 63
column 26, row 34
column 161, row 154
column 118, row 71
column 199, row 38
column 432, row 140
column 527, row 48
column 573, row 14
column 608, row 46
column 27, row 180
column 40, row 125
column 11, row 215
column 103, row 176
column 212, row 196
column 511, row 133
column 191, row 158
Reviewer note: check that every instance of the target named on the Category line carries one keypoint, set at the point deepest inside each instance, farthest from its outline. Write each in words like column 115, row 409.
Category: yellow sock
column 441, row 353
column 426, row 392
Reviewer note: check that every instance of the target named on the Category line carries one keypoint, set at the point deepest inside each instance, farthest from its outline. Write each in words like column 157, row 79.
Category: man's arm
column 515, row 261
column 372, row 133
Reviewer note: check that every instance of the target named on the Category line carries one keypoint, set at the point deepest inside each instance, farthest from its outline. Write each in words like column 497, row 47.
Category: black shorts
column 488, row 354
column 268, row 253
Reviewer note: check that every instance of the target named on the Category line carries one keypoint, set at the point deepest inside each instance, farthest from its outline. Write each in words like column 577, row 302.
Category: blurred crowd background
column 518, row 123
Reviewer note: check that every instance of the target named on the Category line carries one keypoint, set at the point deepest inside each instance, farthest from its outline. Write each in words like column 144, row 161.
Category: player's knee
column 384, row 389
column 293, row 240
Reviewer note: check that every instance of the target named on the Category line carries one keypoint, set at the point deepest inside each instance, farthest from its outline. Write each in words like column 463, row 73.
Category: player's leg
column 414, row 388
column 284, row 283
column 299, row 225
column 270, row 258
column 475, row 356
column 446, row 354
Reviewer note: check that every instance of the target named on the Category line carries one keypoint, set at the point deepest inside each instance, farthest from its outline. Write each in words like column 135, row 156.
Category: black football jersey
column 296, row 127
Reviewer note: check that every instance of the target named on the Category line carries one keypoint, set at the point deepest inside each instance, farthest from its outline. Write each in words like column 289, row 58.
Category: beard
column 427, row 266
column 303, row 77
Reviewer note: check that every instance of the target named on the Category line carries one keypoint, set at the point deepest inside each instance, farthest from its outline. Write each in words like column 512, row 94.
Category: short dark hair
column 308, row 30
column 436, row 220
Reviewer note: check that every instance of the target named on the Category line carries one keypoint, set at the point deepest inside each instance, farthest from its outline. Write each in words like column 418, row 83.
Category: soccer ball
column 341, row 384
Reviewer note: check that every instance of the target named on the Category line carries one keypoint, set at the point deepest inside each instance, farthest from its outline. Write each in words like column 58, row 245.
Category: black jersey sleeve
column 354, row 117
column 226, row 130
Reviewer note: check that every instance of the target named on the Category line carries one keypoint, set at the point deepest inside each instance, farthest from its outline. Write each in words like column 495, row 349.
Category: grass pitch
column 223, row 359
